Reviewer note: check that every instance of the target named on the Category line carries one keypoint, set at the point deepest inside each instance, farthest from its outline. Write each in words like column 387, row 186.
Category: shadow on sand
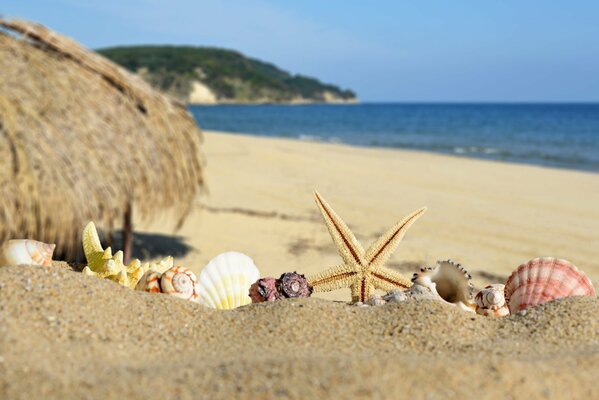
column 153, row 245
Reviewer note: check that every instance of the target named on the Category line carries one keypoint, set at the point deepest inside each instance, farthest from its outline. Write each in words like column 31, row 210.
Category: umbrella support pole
column 127, row 234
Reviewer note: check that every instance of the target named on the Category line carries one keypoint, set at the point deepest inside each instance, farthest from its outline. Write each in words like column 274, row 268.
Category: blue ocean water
column 556, row 135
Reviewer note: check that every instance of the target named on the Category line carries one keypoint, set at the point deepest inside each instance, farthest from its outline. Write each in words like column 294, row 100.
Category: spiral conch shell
column 544, row 279
column 490, row 301
column 26, row 251
column 449, row 281
column 103, row 264
column 176, row 281
column 225, row 282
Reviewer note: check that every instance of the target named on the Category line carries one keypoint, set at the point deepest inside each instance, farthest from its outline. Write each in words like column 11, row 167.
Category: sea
column 552, row 135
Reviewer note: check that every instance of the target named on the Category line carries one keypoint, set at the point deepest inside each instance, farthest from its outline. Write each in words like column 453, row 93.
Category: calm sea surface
column 556, row 135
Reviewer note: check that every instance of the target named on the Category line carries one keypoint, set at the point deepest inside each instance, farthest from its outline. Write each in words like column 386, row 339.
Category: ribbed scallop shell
column 449, row 281
column 226, row 280
column 490, row 301
column 180, row 282
column 26, row 251
column 544, row 279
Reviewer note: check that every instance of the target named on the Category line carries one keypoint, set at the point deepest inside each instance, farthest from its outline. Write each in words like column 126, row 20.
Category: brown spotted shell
column 490, row 301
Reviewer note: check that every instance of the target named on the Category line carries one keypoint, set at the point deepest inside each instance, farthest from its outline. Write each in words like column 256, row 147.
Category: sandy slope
column 490, row 216
column 67, row 335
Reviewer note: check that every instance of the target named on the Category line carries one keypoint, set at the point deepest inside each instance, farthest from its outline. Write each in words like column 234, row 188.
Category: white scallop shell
column 180, row 282
column 225, row 282
column 449, row 281
column 26, row 251
column 490, row 301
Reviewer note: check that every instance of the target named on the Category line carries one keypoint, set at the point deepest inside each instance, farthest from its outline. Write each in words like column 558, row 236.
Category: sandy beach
column 490, row 216
column 67, row 335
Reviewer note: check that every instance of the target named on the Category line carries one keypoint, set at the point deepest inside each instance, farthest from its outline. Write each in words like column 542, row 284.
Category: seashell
column 101, row 262
column 292, row 284
column 225, row 282
column 264, row 289
column 26, row 251
column 180, row 282
column 376, row 300
column 544, row 279
column 396, row 296
column 490, row 301
column 149, row 282
column 449, row 282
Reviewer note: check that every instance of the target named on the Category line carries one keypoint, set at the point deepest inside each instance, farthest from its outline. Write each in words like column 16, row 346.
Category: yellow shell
column 103, row 264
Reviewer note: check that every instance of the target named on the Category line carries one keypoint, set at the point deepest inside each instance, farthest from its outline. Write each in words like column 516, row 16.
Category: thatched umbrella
column 82, row 139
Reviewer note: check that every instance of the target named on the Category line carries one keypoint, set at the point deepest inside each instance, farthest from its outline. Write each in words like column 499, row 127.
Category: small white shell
column 180, row 282
column 225, row 282
column 449, row 281
column 490, row 301
column 26, row 251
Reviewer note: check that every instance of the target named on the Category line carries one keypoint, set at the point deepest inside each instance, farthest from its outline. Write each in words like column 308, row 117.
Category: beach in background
column 491, row 216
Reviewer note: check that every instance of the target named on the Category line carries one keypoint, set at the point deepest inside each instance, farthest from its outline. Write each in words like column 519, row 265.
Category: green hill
column 205, row 75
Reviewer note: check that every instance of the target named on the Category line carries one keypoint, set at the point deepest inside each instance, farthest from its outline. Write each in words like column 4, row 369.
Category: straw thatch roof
column 81, row 138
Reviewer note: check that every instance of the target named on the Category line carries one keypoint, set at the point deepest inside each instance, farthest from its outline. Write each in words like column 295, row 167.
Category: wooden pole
column 127, row 234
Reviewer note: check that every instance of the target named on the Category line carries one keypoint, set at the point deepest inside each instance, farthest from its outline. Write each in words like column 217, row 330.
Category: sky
column 385, row 50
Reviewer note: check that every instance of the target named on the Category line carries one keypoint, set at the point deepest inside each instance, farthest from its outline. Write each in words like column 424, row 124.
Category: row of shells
column 533, row 283
column 232, row 280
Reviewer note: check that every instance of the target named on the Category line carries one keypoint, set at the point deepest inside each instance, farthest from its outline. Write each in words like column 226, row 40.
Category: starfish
column 362, row 271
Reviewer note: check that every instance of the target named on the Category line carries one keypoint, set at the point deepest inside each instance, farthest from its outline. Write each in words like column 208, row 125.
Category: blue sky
column 425, row 50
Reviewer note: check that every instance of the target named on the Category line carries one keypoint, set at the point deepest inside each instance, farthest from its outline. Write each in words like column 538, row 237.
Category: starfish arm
column 349, row 248
column 341, row 276
column 361, row 290
column 386, row 279
column 381, row 250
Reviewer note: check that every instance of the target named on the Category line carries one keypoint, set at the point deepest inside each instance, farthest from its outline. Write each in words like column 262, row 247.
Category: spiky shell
column 101, row 262
column 180, row 282
column 26, row 251
column 449, row 281
column 264, row 289
column 225, row 281
column 544, row 279
column 490, row 301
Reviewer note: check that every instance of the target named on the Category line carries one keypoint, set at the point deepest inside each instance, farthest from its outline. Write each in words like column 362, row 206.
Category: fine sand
column 489, row 216
column 66, row 335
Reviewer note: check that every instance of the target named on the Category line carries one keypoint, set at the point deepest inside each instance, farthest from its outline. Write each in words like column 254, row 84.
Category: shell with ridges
column 26, row 251
column 225, row 281
column 544, row 279
column 449, row 281
column 180, row 282
column 490, row 301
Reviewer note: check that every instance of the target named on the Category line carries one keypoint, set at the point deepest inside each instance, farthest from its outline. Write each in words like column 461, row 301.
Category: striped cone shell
column 26, row 251
column 544, row 279
column 180, row 282
column 490, row 301
column 149, row 282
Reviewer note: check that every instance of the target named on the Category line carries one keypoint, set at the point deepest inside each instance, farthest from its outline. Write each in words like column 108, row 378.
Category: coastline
column 490, row 216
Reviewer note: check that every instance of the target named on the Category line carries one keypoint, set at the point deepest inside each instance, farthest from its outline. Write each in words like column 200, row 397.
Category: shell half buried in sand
column 26, row 251
column 449, row 282
column 225, row 282
column 544, row 279
column 490, row 301
column 176, row 281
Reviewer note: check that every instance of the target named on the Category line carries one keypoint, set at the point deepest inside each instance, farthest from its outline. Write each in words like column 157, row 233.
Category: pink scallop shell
column 544, row 279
